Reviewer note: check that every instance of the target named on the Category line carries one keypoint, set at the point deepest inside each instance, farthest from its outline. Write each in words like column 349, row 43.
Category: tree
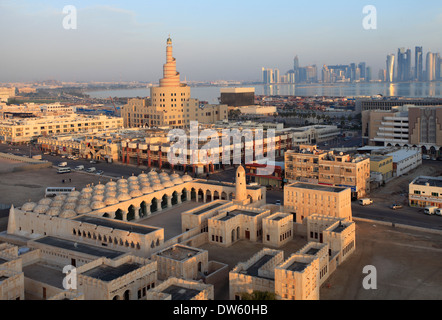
column 258, row 295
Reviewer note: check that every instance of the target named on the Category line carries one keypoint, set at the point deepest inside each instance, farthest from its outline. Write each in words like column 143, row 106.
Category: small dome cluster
column 102, row 195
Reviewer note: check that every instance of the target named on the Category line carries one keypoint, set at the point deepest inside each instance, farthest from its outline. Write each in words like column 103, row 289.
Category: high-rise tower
column 390, row 68
column 418, row 64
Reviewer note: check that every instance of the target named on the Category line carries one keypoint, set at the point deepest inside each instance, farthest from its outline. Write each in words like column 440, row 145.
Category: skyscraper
column 418, row 64
column 368, row 75
column 276, row 76
column 403, row 64
column 296, row 63
column 430, row 70
column 390, row 68
column 362, row 67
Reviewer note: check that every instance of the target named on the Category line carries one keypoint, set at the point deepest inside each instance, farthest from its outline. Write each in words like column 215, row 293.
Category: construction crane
column 116, row 111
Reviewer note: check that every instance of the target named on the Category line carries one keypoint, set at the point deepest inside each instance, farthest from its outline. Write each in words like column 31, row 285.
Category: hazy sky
column 231, row 39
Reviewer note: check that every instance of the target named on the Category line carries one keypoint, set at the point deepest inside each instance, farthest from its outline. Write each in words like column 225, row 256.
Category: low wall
column 218, row 272
column 399, row 225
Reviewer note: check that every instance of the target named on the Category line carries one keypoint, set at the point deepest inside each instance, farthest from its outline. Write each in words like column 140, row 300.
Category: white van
column 80, row 167
column 365, row 202
column 430, row 210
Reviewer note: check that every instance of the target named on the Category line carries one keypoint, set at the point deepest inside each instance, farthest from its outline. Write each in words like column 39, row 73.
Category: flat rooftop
column 317, row 187
column 46, row 274
column 339, row 228
column 205, row 209
column 236, row 212
column 226, row 184
column 180, row 293
column 108, row 273
column 297, row 266
column 178, row 253
column 253, row 269
column 116, row 224
column 432, row 181
column 312, row 251
column 79, row 247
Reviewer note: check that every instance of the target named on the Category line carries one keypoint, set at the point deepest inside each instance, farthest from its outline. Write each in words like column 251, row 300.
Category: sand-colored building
column 304, row 199
column 277, row 229
column 425, row 191
column 26, row 129
column 256, row 274
column 181, row 289
column 297, row 278
column 309, row 164
column 182, row 262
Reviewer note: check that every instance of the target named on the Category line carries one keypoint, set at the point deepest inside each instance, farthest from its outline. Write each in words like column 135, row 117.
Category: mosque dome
column 57, row 203
column 45, row 201
column 84, row 202
column 123, row 197
column 41, row 208
column 66, row 214
column 109, row 201
column 28, row 206
column 186, row 178
column 69, row 206
column 54, row 211
column 147, row 189
column 83, row 209
column 97, row 205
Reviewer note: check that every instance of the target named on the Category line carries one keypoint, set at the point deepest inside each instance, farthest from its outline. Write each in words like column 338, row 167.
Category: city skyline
column 123, row 42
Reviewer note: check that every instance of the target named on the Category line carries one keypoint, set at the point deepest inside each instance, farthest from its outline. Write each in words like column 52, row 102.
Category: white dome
column 41, row 208
column 71, row 200
column 97, row 197
column 123, row 190
column 57, row 203
column 99, row 186
column 174, row 175
column 122, row 181
column 55, row 211
column 147, row 190
column 97, row 205
column 111, row 194
column 69, row 206
column 87, row 190
column 28, row 206
column 132, row 178
column 60, row 197
column 98, row 192
column 111, row 184
column 74, row 193
column 134, row 187
column 83, row 209
column 186, row 178
column 68, row 214
column 123, row 197
column 110, row 201
column 45, row 201
column 86, row 196
column 168, row 184
column 163, row 174
column 135, row 193
column 152, row 173
column 84, row 202
column 142, row 176
column 111, row 188
column 177, row 181
column 145, row 183
column 158, row 186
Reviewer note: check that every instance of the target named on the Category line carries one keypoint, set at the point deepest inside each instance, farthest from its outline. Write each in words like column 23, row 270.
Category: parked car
column 426, row 157
column 93, row 161
column 438, row 212
column 91, row 169
column 80, row 167
column 430, row 210
column 278, row 202
column 365, row 202
column 100, row 172
column 396, row 206
column 62, row 164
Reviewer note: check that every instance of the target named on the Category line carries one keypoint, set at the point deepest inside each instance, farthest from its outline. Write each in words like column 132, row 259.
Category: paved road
column 406, row 215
